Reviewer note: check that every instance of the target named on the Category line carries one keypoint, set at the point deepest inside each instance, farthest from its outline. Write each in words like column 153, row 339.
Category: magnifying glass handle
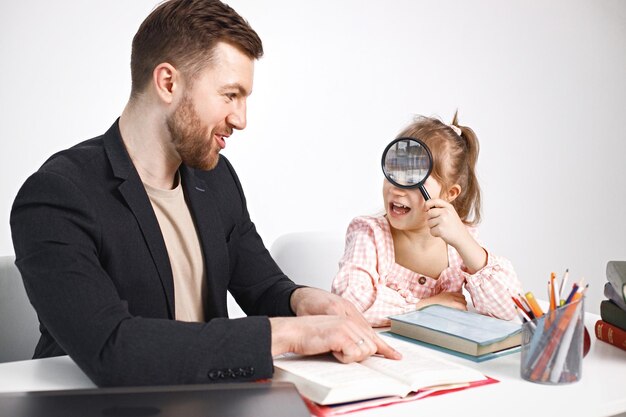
column 424, row 192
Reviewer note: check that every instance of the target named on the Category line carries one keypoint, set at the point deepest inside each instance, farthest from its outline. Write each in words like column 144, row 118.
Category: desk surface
column 601, row 391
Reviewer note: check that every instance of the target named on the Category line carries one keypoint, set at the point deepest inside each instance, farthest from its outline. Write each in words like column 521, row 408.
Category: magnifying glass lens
column 407, row 162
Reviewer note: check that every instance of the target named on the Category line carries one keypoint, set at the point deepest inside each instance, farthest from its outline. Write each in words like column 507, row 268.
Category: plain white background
column 542, row 83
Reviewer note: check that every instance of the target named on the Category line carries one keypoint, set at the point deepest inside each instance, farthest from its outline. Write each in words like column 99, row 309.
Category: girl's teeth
column 399, row 208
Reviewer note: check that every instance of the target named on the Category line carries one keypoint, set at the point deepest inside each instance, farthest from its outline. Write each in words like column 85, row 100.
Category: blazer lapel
column 135, row 195
column 210, row 233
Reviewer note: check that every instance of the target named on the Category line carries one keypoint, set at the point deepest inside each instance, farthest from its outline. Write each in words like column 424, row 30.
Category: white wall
column 542, row 83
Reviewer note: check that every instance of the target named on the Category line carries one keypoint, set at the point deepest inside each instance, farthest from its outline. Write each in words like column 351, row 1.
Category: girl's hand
column 444, row 222
column 451, row 299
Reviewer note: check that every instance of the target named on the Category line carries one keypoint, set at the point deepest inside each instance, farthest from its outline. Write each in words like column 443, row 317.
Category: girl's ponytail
column 468, row 204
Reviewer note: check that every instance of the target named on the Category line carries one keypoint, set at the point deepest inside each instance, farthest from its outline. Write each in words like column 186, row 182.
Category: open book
column 324, row 380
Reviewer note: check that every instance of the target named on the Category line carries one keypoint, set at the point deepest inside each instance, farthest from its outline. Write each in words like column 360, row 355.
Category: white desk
column 600, row 393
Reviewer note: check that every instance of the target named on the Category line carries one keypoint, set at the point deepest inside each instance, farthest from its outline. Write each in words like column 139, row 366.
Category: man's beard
column 196, row 148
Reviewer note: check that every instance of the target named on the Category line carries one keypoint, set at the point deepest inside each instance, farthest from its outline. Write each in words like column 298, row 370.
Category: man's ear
column 166, row 79
column 453, row 193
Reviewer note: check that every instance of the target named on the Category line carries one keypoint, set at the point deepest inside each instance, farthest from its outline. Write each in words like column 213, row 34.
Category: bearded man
column 128, row 242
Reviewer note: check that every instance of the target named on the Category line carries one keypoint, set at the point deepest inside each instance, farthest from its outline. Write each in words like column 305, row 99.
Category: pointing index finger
column 386, row 350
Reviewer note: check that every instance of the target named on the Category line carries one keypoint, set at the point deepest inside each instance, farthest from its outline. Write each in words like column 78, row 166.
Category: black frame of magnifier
column 420, row 184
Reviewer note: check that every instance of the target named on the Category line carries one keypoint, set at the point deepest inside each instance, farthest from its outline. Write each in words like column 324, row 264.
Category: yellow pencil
column 534, row 306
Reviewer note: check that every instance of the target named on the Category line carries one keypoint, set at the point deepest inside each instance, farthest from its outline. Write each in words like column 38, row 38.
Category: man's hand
column 332, row 324
column 312, row 335
column 313, row 301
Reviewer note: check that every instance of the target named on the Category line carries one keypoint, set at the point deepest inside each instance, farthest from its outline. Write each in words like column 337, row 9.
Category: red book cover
column 346, row 408
column 611, row 334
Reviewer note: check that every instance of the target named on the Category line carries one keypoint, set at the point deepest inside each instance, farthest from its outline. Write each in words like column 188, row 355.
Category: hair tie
column 456, row 129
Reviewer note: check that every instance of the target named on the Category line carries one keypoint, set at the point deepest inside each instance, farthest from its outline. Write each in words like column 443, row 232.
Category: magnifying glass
column 406, row 163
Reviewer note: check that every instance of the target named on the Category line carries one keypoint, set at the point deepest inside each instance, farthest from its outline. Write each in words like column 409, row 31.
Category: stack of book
column 612, row 328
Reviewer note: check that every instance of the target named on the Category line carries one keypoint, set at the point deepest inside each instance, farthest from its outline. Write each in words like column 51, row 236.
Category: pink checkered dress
column 370, row 278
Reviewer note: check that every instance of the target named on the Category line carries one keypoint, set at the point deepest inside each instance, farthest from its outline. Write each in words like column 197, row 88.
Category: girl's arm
column 444, row 222
column 492, row 286
column 358, row 279
column 490, row 279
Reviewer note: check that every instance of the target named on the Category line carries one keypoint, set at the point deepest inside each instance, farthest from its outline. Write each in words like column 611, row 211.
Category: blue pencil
column 571, row 294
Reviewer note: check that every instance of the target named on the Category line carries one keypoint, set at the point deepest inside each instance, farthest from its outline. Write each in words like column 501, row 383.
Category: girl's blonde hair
column 454, row 160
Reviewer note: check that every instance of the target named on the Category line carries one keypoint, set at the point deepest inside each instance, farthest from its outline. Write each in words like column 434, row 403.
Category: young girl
column 423, row 252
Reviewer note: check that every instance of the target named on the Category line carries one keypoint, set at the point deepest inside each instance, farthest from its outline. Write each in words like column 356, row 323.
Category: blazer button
column 422, row 280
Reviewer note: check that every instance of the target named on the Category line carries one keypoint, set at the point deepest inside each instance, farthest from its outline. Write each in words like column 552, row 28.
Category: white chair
column 19, row 326
column 309, row 258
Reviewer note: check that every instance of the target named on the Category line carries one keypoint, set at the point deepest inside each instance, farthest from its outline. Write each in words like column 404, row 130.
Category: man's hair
column 184, row 34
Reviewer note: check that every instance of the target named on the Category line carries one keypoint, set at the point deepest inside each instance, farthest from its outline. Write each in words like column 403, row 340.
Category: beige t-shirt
column 183, row 248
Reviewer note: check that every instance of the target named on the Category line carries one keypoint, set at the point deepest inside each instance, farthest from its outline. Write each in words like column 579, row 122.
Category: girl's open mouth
column 399, row 209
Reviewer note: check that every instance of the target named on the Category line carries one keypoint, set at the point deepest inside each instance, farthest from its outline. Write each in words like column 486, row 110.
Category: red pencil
column 529, row 310
column 519, row 304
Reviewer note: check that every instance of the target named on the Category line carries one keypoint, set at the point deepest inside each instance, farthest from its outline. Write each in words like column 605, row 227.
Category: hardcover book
column 466, row 332
column 323, row 380
column 479, row 358
column 616, row 275
column 612, row 314
column 611, row 294
column 611, row 334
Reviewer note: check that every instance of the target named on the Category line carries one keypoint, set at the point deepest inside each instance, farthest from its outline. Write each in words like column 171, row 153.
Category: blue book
column 460, row 331
column 479, row 358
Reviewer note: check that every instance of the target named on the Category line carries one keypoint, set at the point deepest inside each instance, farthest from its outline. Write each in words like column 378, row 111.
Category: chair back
column 309, row 258
column 19, row 326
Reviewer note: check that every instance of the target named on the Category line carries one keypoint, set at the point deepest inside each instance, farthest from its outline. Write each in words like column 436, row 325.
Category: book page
column 340, row 409
column 325, row 380
column 326, row 370
column 419, row 369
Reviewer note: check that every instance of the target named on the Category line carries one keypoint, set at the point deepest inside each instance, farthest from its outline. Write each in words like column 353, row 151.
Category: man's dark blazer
column 96, row 269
